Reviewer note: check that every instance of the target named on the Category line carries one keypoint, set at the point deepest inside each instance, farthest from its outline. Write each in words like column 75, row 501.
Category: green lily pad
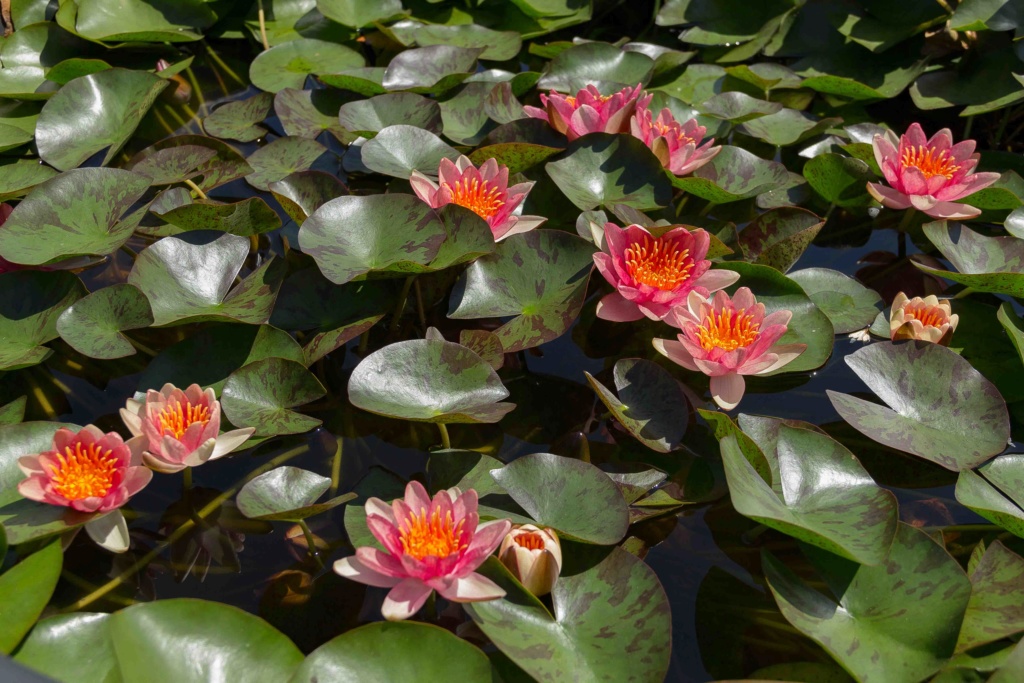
column 308, row 113
column 986, row 264
column 651, row 405
column 396, row 651
column 428, row 381
column 280, row 159
column 173, row 164
column 611, row 623
column 189, row 278
column 225, row 166
column 596, row 63
column 430, row 70
column 738, row 107
column 777, row 238
column 848, row 304
column 224, row 348
column 240, row 120
column 370, row 116
column 287, row 65
column 302, row 193
column 11, row 137
column 539, row 277
column 733, row 174
column 981, row 85
column 897, row 621
column 27, row 587
column 943, row 410
column 496, row 45
column 287, row 494
column 846, row 512
column 517, row 156
column 29, row 53
column 173, row 21
column 356, row 13
column 994, row 492
column 365, row 81
column 839, row 180
column 71, row 647
column 252, row 216
column 13, row 412
column 18, row 176
column 399, row 150
column 30, row 304
column 93, row 324
column 996, row 607
column 70, row 69
column 149, row 639
column 76, row 213
column 261, row 394
column 569, row 495
column 604, row 169
column 464, row 114
column 93, row 113
column 809, row 324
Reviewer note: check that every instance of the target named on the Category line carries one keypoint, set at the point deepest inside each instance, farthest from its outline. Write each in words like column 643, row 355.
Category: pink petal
column 616, row 308
column 787, row 353
column 405, row 599
column 424, row 187
column 472, row 588
column 416, row 497
column 915, row 136
column 727, row 390
column 675, row 352
column 952, row 211
column 353, row 568
column 889, row 197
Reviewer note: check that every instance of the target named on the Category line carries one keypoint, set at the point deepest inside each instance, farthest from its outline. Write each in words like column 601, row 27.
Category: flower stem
column 420, row 311
column 209, row 509
column 402, row 298
column 195, row 188
column 310, row 542
column 186, row 478
column 263, row 26
column 336, row 468
column 584, row 448
column 445, row 441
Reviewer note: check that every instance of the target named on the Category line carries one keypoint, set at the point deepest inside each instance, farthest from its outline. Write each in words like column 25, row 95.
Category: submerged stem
column 263, row 26
column 445, row 441
column 336, row 468
column 402, row 298
column 310, row 542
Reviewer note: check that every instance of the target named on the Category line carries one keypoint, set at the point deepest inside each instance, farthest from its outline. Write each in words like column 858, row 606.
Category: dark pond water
column 725, row 625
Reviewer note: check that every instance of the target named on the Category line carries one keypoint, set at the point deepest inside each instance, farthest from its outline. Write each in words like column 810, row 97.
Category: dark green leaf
column 596, row 63
column 287, row 494
column 261, row 394
column 996, row 607
column 434, row 69
column 240, row 120
column 27, row 587
column 72, row 648
column 369, row 116
column 13, row 413
column 93, row 324
column 839, row 180
column 847, row 303
column 287, row 65
column 777, row 238
column 30, row 304
column 399, row 150
column 995, row 491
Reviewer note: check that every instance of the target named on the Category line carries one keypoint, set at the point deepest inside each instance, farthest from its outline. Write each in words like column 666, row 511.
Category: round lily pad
column 262, row 393
column 847, row 303
column 93, row 324
column 287, row 494
column 287, row 65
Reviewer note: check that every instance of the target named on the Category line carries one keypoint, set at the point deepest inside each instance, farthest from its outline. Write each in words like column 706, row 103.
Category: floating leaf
column 943, row 410
column 227, row 164
column 986, row 264
column 308, row 113
column 240, row 120
column 539, row 277
column 651, row 405
column 428, row 381
column 93, row 324
column 994, row 492
column 787, row 127
column 93, row 113
column 189, row 278
column 357, row 13
column 733, row 174
column 30, row 304
column 261, row 394
column 18, row 176
column 894, row 622
column 77, row 213
column 848, row 304
column 280, row 159
column 496, row 45
column 252, row 216
column 518, row 156
column 572, row 496
column 464, row 114
column 13, row 413
column 596, row 63
column 287, row 494
column 149, row 639
column 143, row 20
column 996, row 607
column 611, row 623
column 738, row 107
column 400, row 150
column 434, row 69
column 27, row 587
column 604, row 169
column 369, row 116
column 824, row 496
column 778, row 237
column 302, row 193
column 71, row 648
column 287, row 65
column 839, row 180
column 173, row 164
column 396, row 651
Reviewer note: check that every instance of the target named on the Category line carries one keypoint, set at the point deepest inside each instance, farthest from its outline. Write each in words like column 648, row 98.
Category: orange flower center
column 728, row 330
column 928, row 162
column 481, row 198
column 83, row 472
column 658, row 263
column 424, row 536
column 175, row 419
column 530, row 541
column 930, row 316
column 571, row 99
column 668, row 130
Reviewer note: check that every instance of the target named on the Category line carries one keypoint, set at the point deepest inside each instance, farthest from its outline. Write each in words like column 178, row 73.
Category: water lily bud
column 534, row 556
column 926, row 319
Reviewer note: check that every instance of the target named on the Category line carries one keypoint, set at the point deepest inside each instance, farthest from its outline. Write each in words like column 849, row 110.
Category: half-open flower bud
column 926, row 319
column 534, row 556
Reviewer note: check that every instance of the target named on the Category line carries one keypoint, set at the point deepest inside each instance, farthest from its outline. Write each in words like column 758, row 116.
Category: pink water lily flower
column 181, row 428
column 928, row 174
column 727, row 338
column 588, row 111
column 677, row 145
column 429, row 545
column 483, row 191
column 88, row 471
column 651, row 275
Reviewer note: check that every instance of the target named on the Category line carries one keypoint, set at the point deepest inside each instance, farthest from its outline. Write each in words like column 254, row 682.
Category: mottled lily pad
column 596, row 63
column 847, row 303
column 240, row 120
column 370, row 116
column 986, row 264
column 30, row 304
column 733, row 174
column 994, row 491
column 280, row 159
column 778, row 237
column 93, row 325
column 434, row 69
column 262, row 393
column 996, row 607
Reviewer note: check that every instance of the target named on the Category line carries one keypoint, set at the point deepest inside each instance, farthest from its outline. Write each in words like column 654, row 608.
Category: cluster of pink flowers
column 93, row 472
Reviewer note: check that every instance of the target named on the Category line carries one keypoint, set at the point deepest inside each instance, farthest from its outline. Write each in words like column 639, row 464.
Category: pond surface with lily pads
column 511, row 340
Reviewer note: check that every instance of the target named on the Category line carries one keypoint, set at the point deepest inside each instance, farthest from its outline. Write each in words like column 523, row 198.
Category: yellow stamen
column 176, row 418
column 728, row 330
column 530, row 541
column 83, row 472
column 658, row 263
column 928, row 162
column 930, row 316
column 480, row 197
column 422, row 536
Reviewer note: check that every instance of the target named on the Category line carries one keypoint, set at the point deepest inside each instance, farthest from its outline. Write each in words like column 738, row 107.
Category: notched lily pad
column 261, row 394
column 995, row 491
column 94, row 324
column 31, row 302
column 287, row 494
column 986, row 264
column 733, row 174
column 847, row 303
column 240, row 120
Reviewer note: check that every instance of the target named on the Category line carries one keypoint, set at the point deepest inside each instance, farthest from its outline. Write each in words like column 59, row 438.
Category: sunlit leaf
column 262, row 393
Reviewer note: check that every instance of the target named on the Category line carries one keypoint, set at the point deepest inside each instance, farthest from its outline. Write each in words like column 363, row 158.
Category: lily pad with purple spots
column 31, row 302
column 985, row 264
column 94, row 324
column 262, row 394
column 996, row 491
column 733, row 174
column 996, row 607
